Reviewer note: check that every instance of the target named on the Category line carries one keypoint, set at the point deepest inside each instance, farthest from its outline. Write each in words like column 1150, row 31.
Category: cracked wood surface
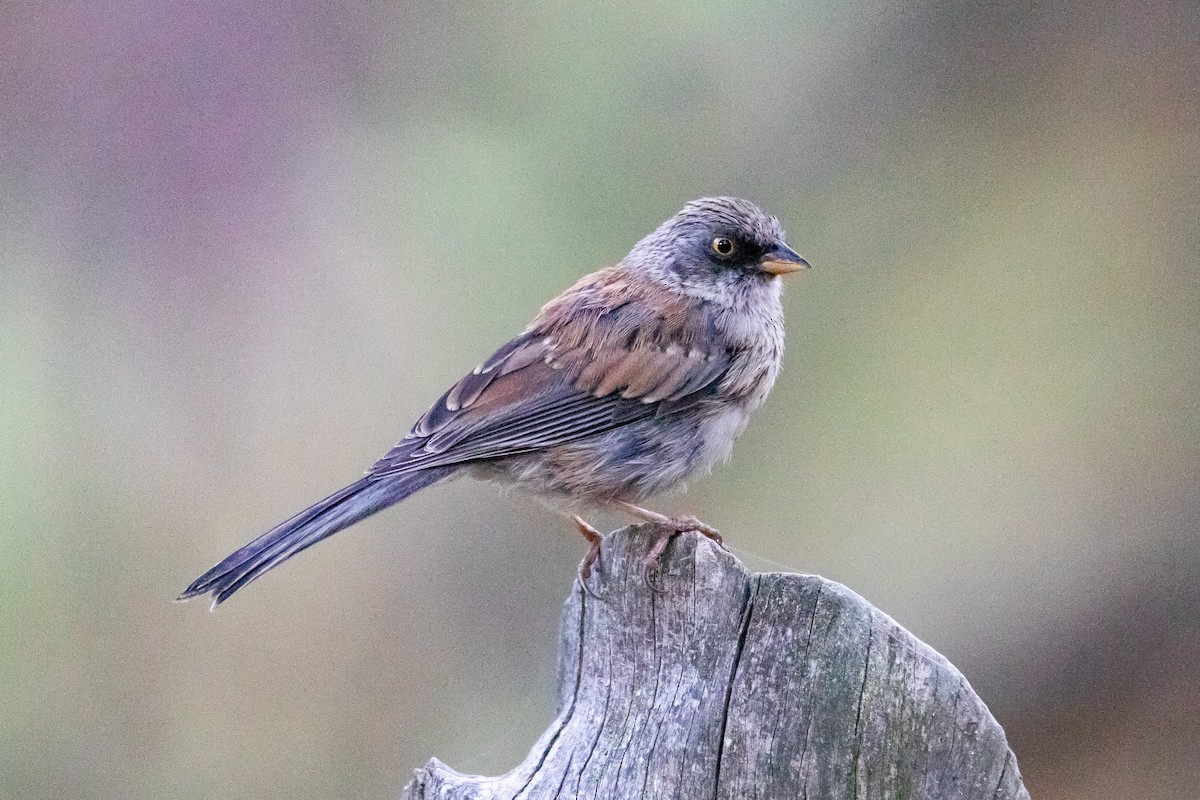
column 732, row 685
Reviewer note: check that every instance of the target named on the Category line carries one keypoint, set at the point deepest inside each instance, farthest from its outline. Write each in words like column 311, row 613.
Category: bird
column 638, row 377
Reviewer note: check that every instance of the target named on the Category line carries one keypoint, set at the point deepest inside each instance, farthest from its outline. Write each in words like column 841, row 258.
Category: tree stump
column 732, row 685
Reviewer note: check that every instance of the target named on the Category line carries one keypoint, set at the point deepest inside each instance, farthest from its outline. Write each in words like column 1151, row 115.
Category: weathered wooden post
column 732, row 685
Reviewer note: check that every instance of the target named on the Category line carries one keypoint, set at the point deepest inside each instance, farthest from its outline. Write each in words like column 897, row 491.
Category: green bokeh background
column 241, row 249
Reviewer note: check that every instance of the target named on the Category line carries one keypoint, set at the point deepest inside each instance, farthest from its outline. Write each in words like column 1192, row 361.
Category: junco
column 637, row 377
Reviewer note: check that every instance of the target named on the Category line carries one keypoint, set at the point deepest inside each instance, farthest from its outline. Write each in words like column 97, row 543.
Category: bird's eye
column 723, row 246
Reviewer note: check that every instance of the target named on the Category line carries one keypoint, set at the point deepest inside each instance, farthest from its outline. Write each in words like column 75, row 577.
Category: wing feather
column 576, row 372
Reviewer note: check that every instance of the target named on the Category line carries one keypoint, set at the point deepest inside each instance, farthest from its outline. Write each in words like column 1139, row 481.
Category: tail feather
column 341, row 509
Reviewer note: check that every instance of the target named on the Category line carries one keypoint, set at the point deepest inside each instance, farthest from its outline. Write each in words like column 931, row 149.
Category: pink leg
column 585, row 566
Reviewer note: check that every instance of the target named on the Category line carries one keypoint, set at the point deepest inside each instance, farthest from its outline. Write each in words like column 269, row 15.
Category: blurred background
column 243, row 246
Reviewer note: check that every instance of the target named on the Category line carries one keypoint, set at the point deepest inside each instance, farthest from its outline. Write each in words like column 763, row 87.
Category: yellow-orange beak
column 781, row 259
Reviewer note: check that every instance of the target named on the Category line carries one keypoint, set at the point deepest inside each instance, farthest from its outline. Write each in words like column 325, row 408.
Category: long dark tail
column 341, row 509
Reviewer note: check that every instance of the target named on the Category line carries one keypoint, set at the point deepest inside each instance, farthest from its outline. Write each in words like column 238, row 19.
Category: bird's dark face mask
column 739, row 254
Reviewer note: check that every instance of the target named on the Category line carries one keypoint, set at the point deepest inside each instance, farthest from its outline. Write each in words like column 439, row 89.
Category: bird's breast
column 756, row 338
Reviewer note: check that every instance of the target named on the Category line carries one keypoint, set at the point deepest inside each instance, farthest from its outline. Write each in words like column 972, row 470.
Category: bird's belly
column 630, row 463
column 717, row 435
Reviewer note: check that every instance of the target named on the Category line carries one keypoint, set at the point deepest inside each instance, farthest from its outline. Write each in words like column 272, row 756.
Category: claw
column 651, row 575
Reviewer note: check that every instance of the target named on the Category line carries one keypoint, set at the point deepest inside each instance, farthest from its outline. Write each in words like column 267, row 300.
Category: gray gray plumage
column 637, row 377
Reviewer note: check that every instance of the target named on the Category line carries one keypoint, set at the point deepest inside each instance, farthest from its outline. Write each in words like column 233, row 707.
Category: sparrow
column 636, row 378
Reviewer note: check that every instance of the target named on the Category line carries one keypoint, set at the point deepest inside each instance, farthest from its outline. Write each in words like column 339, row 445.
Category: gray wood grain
column 732, row 685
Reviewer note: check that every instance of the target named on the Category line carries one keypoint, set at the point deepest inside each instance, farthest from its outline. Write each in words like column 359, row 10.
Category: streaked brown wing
column 576, row 373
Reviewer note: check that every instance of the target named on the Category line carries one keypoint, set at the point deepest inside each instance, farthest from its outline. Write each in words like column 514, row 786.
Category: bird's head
column 717, row 248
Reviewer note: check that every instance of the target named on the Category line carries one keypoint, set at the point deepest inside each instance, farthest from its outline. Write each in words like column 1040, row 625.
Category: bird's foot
column 651, row 567
column 667, row 528
column 679, row 524
column 585, row 566
column 687, row 522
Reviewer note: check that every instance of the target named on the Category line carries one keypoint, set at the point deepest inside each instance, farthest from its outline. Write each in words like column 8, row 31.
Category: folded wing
column 572, row 375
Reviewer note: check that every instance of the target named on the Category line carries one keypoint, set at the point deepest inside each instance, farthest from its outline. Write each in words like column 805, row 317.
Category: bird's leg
column 585, row 566
column 676, row 524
